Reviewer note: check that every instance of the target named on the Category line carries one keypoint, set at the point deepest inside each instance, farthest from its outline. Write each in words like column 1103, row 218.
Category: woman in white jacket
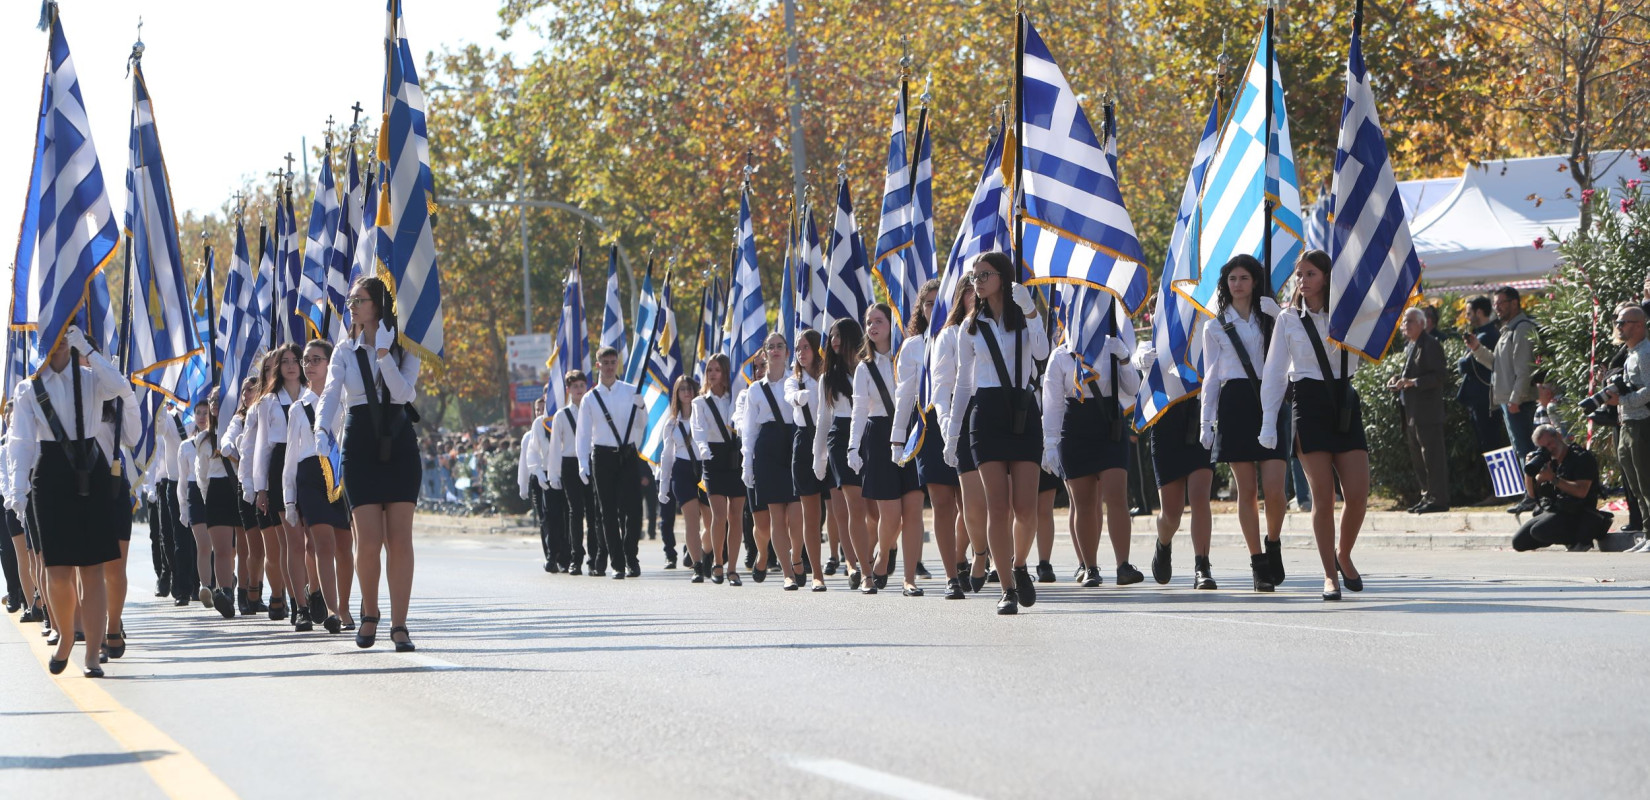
column 311, row 509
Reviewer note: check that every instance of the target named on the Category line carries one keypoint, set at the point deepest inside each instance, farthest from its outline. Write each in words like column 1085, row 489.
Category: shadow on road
column 80, row 760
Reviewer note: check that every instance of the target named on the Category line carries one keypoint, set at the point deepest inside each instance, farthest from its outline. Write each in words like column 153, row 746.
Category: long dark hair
column 676, row 405
column 868, row 348
column 272, row 375
column 1321, row 262
column 240, row 405
column 1249, row 264
column 1014, row 320
column 839, row 378
column 385, row 303
column 960, row 308
column 809, row 339
column 918, row 324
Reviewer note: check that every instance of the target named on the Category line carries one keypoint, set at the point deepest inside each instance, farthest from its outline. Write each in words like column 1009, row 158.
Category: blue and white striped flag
column 1506, row 472
column 1376, row 270
column 196, row 385
column 985, row 228
column 664, row 366
column 160, row 340
column 289, row 265
column 365, row 258
column 889, row 268
column 613, row 315
column 787, row 288
column 268, row 289
column 747, row 312
column 74, row 223
column 705, row 348
column 1317, row 222
column 344, row 244
column 1243, row 173
column 819, row 277
column 647, row 321
column 240, row 331
column 848, row 291
column 1095, row 316
column 922, row 205
column 1076, row 229
column 572, row 348
column 323, row 229
column 409, row 261
column 1176, row 372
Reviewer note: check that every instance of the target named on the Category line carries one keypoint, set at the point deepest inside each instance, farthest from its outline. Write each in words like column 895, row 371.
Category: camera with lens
column 1594, row 406
column 1537, row 461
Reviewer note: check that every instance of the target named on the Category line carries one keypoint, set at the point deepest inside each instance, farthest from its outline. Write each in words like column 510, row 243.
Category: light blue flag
column 1376, row 270
column 747, row 312
column 647, row 319
column 323, row 229
column 409, row 259
column 1242, row 174
column 664, row 366
column 572, row 348
column 613, row 317
column 848, row 291
column 240, row 330
column 894, row 241
column 196, row 385
column 344, row 244
column 985, row 228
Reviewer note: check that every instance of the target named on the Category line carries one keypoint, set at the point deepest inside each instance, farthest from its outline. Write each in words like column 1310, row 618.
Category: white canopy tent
column 1484, row 232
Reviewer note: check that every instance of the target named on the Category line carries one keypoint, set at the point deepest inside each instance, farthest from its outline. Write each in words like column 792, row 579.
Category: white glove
column 898, row 451
column 544, row 479
column 77, row 340
column 855, row 463
column 1116, row 349
column 524, row 495
column 384, row 339
column 1207, row 439
column 749, row 477
column 584, row 475
column 664, row 497
column 1051, row 457
column 1144, row 357
column 1268, row 438
column 183, row 516
column 150, row 495
column 555, row 481
column 1022, row 298
column 819, row 469
column 951, row 453
column 292, row 514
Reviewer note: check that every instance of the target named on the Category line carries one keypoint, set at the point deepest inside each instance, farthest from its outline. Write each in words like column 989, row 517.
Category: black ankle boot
column 1262, row 570
column 240, row 601
column 1203, row 576
column 1274, row 561
column 1163, row 562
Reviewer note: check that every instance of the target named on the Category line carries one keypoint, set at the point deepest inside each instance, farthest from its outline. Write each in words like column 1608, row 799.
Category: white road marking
column 429, row 662
column 871, row 780
column 1273, row 624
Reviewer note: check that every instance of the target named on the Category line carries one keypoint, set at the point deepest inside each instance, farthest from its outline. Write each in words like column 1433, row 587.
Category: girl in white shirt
column 678, row 472
column 940, row 479
column 249, row 543
column 1232, row 414
column 971, row 487
column 893, row 486
column 310, row 511
column 836, row 390
column 282, row 389
column 1328, row 418
column 714, row 433
column 770, row 431
column 802, row 394
column 1004, row 428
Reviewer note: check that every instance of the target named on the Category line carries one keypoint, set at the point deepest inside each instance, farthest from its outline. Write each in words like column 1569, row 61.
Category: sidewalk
column 1475, row 529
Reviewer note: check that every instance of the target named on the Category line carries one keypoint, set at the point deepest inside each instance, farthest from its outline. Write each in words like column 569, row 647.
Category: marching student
column 916, row 355
column 29, row 597
column 268, row 528
column 171, row 487
column 713, row 434
column 970, row 487
column 1328, row 418
column 282, row 388
column 193, row 503
column 802, row 393
column 1184, row 470
column 1237, row 351
column 309, row 511
column 249, row 543
column 120, row 510
column 757, row 534
column 892, row 486
column 376, row 379
column 612, row 423
column 1003, row 431
column 1086, row 439
column 220, row 512
column 60, row 474
column 583, row 529
column 533, row 480
column 678, row 473
column 771, row 430
column 836, row 387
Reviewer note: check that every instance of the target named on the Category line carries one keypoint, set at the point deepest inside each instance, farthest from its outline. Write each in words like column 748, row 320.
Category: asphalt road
column 1456, row 674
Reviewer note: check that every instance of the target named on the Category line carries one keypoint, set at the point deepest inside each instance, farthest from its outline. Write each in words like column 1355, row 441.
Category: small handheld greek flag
column 1506, row 473
column 332, row 470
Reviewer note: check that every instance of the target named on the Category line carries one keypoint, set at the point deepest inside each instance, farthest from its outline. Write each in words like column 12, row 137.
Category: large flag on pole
column 848, row 291
column 1249, row 168
column 240, row 331
column 705, row 348
column 344, row 243
column 1175, row 373
column 788, row 299
column 1088, row 316
column 269, row 286
column 323, row 229
column 1076, row 229
column 647, row 320
column 747, row 312
column 894, row 240
column 985, row 227
column 572, row 348
column 365, row 257
column 74, row 223
column 409, row 266
column 922, row 202
column 613, row 315
column 664, row 366
column 197, row 373
column 818, row 278
column 1376, row 270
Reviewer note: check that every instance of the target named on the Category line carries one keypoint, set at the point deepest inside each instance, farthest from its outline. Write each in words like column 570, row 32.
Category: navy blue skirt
column 277, row 503
column 248, row 512
column 722, row 478
column 1176, row 451
column 684, row 483
column 1086, row 446
column 802, row 463
column 884, row 479
column 371, row 478
column 1316, row 421
column 74, row 529
column 965, row 451
column 197, row 505
column 313, row 506
column 223, row 503
column 931, row 467
column 1237, row 426
column 773, row 465
column 991, row 433
column 836, row 440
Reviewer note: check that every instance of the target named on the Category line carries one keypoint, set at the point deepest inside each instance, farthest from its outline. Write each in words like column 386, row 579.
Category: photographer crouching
column 1564, row 480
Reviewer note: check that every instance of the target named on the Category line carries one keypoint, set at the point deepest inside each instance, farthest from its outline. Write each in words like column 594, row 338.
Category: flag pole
column 1019, row 137
column 263, row 250
column 1266, row 204
column 211, row 343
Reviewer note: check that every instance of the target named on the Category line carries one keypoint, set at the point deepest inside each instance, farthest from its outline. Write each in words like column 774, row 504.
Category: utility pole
column 799, row 154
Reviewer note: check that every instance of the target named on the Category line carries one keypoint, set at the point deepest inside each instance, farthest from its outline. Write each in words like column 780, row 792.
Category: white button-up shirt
column 977, row 370
column 346, row 386
column 1292, row 358
column 594, row 431
column 1220, row 359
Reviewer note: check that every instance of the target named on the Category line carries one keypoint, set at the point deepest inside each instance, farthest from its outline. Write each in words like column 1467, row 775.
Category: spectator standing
column 1634, row 438
column 1513, row 365
column 1420, row 389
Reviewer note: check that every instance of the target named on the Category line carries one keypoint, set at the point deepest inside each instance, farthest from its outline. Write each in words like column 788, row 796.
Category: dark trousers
column 616, row 474
column 1633, row 453
column 1520, row 427
column 160, row 546
column 1430, row 460
column 553, row 526
column 1487, row 426
column 583, row 533
column 667, row 527
column 8, row 563
column 535, row 496
column 1550, row 528
column 186, row 583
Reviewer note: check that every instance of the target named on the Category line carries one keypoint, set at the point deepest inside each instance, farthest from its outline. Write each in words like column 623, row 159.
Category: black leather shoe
column 1262, row 572
column 1431, row 508
column 832, row 565
column 79, row 636
column 922, row 571
column 1274, row 562
column 634, row 570
column 733, row 579
column 332, row 623
column 991, row 576
column 700, row 568
column 92, row 672
column 975, row 584
column 868, row 586
column 1092, row 578
column 1163, row 563
column 242, row 607
column 301, row 621
column 549, row 566
column 1352, row 584
column 618, row 574
column 576, row 569
column 163, row 587
column 180, row 602
column 880, row 580
column 221, row 602
column 1202, row 576
column 55, row 666
column 1332, row 597
column 670, row 563
column 53, row 637
column 277, row 608
column 953, row 589
column 317, row 606
column 1009, row 604
column 1024, row 587
column 1045, row 572
column 1127, row 575
column 854, row 577
column 402, row 647
column 114, row 650
column 716, row 578
column 912, row 591
column 364, row 640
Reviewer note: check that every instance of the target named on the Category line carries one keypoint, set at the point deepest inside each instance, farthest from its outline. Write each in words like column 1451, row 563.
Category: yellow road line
column 177, row 772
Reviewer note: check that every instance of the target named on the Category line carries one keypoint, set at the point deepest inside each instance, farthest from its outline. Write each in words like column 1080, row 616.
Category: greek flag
column 1248, row 168
column 1317, row 223
column 365, row 256
column 68, row 203
column 1096, row 315
column 787, row 288
column 922, row 207
column 707, row 331
column 1176, row 371
column 747, row 313
column 240, row 331
column 290, row 269
column 344, row 244
column 196, row 384
column 572, row 348
column 647, row 321
column 408, row 263
column 613, row 316
column 268, row 286
column 848, row 291
column 664, row 366
column 894, row 239
column 1076, row 229
column 985, row 228
column 323, row 229
column 1506, row 472
column 1376, row 270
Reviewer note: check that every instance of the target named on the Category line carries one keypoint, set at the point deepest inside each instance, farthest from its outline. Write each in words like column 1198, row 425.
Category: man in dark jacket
column 1420, row 389
column 1475, row 379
